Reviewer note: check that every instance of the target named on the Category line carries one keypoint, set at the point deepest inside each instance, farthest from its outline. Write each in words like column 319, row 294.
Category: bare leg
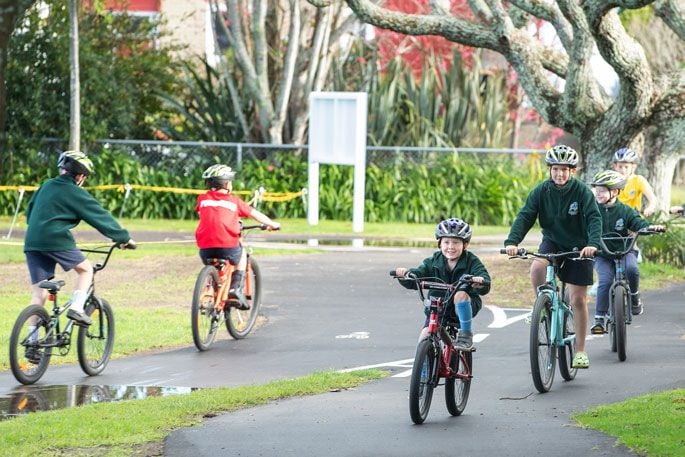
column 578, row 297
column 538, row 273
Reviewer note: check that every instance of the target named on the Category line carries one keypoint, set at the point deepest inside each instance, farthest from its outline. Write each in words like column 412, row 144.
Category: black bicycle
column 37, row 335
column 620, row 315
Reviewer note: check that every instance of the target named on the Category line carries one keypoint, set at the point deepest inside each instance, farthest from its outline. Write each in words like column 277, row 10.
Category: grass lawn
column 652, row 425
column 137, row 427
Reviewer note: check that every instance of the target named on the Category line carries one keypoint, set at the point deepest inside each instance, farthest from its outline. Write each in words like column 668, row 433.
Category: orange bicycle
column 210, row 299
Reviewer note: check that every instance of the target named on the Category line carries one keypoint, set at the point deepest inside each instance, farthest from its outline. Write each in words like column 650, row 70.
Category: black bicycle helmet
column 218, row 176
column 625, row 155
column 75, row 163
column 562, row 155
column 453, row 228
column 610, row 179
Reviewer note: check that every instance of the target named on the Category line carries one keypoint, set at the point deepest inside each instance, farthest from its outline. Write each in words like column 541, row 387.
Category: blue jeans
column 605, row 276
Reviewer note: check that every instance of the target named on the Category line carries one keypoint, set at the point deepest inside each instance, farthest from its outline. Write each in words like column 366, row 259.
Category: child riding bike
column 636, row 186
column 59, row 205
column 448, row 264
column 218, row 232
column 617, row 219
column 570, row 220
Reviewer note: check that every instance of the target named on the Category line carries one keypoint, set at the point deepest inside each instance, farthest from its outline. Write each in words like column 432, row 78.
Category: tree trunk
column 74, row 79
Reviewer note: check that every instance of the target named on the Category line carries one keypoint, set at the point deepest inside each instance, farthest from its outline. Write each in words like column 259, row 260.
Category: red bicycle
column 436, row 357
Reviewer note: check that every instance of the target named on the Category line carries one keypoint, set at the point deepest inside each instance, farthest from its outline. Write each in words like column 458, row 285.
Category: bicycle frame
column 442, row 342
column 559, row 306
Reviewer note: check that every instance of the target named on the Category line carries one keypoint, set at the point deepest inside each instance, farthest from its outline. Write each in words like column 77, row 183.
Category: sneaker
column 33, row 355
column 237, row 298
column 464, row 341
column 592, row 291
column 580, row 360
column 79, row 318
column 598, row 327
column 636, row 305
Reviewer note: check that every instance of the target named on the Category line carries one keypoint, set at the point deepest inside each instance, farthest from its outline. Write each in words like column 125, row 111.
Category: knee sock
column 78, row 300
column 465, row 314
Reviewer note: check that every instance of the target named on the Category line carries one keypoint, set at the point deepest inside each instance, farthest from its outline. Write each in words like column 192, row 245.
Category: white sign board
column 337, row 135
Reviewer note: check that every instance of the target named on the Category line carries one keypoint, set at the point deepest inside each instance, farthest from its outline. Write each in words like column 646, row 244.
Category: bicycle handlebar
column 632, row 238
column 108, row 253
column 256, row 226
column 523, row 253
column 438, row 285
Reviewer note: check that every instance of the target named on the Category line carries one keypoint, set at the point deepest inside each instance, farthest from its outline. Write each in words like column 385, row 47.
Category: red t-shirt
column 220, row 215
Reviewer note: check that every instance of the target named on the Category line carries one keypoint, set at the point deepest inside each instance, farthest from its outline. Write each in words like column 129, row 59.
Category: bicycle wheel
column 567, row 352
column 457, row 388
column 240, row 322
column 203, row 318
column 620, row 299
column 95, row 342
column 423, row 377
column 29, row 358
column 542, row 349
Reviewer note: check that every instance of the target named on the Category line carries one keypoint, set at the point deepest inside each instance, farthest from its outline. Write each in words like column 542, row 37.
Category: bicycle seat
column 219, row 263
column 52, row 285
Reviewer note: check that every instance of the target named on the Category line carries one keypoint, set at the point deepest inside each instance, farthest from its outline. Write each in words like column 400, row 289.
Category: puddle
column 29, row 399
column 359, row 242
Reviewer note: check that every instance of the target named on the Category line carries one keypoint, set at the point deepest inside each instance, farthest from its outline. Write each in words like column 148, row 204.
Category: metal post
column 16, row 212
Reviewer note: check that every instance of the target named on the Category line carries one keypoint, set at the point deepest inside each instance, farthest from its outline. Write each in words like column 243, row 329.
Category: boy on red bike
column 449, row 264
column 218, row 233
column 617, row 220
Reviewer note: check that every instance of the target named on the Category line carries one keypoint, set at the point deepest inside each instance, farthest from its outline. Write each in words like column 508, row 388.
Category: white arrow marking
column 500, row 318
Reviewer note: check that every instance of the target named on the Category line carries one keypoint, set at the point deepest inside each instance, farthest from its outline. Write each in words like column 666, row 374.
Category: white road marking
column 398, row 363
column 354, row 336
column 500, row 318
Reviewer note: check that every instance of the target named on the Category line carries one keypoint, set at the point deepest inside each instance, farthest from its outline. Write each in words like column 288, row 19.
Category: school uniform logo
column 573, row 209
column 619, row 225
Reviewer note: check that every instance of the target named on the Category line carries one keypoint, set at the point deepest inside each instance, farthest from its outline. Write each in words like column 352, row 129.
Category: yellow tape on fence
column 265, row 196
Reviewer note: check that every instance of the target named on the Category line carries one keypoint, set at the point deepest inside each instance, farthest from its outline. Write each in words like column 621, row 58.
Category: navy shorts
column 42, row 264
column 577, row 272
column 231, row 254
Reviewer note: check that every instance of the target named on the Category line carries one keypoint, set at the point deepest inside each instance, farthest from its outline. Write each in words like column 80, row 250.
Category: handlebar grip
column 393, row 274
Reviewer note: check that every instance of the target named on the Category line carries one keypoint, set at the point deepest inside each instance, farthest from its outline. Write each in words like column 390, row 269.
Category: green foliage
column 205, row 111
column 445, row 107
column 667, row 248
column 121, row 71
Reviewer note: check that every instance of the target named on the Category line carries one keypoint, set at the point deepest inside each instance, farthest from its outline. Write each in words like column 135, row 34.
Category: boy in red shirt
column 218, row 233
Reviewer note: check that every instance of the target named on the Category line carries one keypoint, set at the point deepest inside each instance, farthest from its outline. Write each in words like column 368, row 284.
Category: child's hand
column 657, row 228
column 401, row 272
column 677, row 209
column 649, row 211
column 512, row 250
column 588, row 251
column 477, row 281
column 273, row 226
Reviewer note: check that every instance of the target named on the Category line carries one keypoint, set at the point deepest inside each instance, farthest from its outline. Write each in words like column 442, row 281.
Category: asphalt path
column 341, row 310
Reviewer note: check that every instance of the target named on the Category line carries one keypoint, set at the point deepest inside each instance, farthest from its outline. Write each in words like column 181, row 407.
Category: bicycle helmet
column 453, row 228
column 562, row 155
column 609, row 179
column 75, row 162
column 218, row 175
column 625, row 155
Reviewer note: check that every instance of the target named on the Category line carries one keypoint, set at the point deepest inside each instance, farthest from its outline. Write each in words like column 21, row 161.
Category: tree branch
column 286, row 83
column 673, row 16
column 551, row 13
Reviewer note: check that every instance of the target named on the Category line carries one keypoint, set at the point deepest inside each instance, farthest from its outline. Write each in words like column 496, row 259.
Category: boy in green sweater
column 449, row 264
column 570, row 220
column 59, row 205
column 618, row 219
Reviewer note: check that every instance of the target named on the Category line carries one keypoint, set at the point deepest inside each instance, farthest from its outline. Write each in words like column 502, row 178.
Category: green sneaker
column 580, row 360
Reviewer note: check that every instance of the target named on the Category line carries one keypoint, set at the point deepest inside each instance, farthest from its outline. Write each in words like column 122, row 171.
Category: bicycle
column 552, row 334
column 210, row 305
column 37, row 333
column 620, row 315
column 436, row 357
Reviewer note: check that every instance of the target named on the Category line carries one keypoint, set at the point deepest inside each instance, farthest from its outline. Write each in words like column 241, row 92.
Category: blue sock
column 465, row 314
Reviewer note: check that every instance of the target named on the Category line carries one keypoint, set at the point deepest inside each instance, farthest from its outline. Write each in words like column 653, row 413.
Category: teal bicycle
column 552, row 335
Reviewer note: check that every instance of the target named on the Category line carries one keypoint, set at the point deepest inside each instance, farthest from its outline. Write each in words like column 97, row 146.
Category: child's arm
column 264, row 219
column 652, row 202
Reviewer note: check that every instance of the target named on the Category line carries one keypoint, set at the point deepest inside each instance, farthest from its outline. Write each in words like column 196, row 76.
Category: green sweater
column 568, row 215
column 436, row 267
column 618, row 219
column 57, row 207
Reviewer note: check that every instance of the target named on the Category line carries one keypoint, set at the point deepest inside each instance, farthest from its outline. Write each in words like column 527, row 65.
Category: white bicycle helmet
column 610, row 179
column 625, row 155
column 218, row 175
column 76, row 163
column 562, row 155
column 453, row 228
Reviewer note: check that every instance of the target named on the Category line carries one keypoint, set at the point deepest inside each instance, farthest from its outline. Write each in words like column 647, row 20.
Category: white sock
column 33, row 334
column 78, row 300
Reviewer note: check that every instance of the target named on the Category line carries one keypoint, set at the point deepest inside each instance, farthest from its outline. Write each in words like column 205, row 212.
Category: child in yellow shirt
column 625, row 162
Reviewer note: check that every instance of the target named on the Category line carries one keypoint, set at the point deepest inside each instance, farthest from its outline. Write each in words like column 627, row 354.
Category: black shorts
column 576, row 272
column 42, row 264
column 233, row 255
